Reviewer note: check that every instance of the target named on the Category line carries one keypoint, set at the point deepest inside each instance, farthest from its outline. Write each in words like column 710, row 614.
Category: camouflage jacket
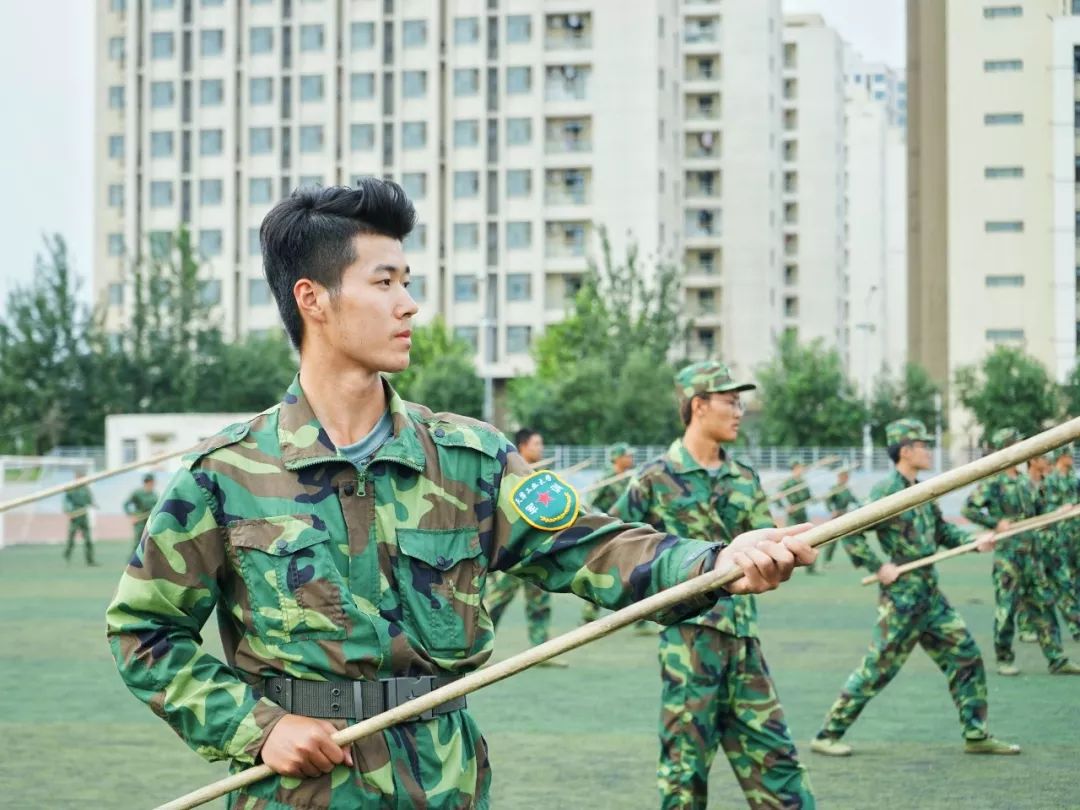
column 77, row 500
column 1060, row 489
column 676, row 494
column 904, row 538
column 322, row 571
column 604, row 498
column 840, row 500
column 1004, row 497
column 798, row 492
column 140, row 503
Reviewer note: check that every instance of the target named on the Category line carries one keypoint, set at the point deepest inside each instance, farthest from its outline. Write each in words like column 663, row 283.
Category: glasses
column 734, row 403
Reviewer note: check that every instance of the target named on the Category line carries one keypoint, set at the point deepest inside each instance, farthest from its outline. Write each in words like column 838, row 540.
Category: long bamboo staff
column 779, row 496
column 603, row 482
column 581, row 465
column 854, row 521
column 536, row 465
column 1037, row 522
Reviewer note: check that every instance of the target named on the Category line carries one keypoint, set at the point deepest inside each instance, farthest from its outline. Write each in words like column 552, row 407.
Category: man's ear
column 311, row 300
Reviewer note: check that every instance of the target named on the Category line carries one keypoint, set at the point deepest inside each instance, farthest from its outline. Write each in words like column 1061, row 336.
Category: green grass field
column 72, row 736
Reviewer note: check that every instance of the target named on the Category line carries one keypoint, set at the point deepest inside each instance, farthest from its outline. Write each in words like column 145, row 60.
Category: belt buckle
column 401, row 690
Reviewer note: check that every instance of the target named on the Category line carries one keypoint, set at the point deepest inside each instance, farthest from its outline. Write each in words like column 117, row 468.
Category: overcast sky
column 46, row 92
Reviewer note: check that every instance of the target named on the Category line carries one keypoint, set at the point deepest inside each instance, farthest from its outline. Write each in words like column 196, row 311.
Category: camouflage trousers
column 591, row 612
column 79, row 525
column 932, row 623
column 139, row 526
column 717, row 693
column 537, row 605
column 1020, row 584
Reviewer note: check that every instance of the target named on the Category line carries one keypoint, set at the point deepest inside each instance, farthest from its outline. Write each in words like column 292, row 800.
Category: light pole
column 870, row 328
column 487, row 345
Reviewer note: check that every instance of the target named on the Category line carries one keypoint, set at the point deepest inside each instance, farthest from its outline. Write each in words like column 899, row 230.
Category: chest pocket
column 295, row 588
column 439, row 582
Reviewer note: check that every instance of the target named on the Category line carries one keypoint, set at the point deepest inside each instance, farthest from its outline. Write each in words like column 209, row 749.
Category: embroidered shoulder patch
column 545, row 501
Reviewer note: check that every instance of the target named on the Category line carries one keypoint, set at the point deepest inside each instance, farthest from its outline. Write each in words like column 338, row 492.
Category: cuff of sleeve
column 694, row 565
column 251, row 732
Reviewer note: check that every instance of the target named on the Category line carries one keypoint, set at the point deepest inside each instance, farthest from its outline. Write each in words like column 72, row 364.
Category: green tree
column 911, row 395
column 603, row 374
column 441, row 373
column 808, row 401
column 1008, row 389
column 1070, row 393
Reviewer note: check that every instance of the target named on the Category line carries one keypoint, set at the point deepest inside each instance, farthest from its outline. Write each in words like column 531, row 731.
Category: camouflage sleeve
column 947, row 534
column 635, row 503
column 595, row 557
column 165, row 596
column 68, row 506
column 129, row 504
column 604, row 498
column 861, row 552
column 980, row 506
column 759, row 515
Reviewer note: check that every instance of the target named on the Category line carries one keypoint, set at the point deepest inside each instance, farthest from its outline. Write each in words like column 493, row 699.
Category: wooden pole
column 1037, row 522
column 779, row 496
column 854, row 521
column 595, row 485
column 581, row 465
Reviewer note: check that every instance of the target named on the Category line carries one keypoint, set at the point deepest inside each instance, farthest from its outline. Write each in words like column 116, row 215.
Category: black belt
column 357, row 700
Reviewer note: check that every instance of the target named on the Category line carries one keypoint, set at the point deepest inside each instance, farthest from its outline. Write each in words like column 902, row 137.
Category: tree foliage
column 1008, row 389
column 441, row 373
column 910, row 395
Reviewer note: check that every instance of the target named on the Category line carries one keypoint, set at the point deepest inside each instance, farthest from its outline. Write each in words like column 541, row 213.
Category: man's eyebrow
column 392, row 268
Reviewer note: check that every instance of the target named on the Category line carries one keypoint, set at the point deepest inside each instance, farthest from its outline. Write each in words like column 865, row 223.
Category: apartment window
column 161, row 193
column 518, row 339
column 518, row 131
column 468, row 334
column 260, row 140
column 466, row 30
column 362, row 36
column 261, row 39
column 413, row 135
column 518, row 80
column 1004, row 281
column 414, row 33
column 1000, row 172
column 518, row 235
column 115, row 195
column 414, row 83
column 261, row 90
column 518, row 183
column 209, row 246
column 254, row 246
column 116, row 97
column 466, row 235
column 566, row 83
column 466, row 81
column 116, row 146
column 1003, row 335
column 211, row 142
column 414, row 185
column 700, row 30
column 994, row 12
column 209, row 290
column 211, row 42
column 310, row 181
column 162, row 94
column 518, row 287
column 260, row 190
column 312, row 37
column 161, row 244
column 791, row 55
column 518, row 28
column 311, row 138
column 311, row 88
column 1003, row 65
column 162, row 5
column 417, row 238
column 361, row 86
column 212, row 3
column 116, row 244
column 162, row 45
column 466, row 133
column 210, row 192
column 1004, row 226
column 1001, row 119
column 466, row 185
column 116, row 48
column 118, row 6
column 362, row 137
column 161, row 144
column 258, row 290
column 466, row 288
column 211, row 92
column 418, row 288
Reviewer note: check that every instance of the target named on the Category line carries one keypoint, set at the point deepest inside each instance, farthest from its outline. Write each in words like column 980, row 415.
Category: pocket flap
column 279, row 535
column 442, row 549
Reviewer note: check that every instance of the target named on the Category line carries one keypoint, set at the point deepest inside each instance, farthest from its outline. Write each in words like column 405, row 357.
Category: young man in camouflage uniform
column 1019, row 577
column 346, row 538
column 796, row 493
column 839, row 501
column 140, row 504
column 717, row 692
column 912, row 610
column 77, row 505
column 620, row 459
column 1060, row 488
column 530, row 446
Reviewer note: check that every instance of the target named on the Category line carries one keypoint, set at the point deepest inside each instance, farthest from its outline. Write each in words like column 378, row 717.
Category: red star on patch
column 544, row 498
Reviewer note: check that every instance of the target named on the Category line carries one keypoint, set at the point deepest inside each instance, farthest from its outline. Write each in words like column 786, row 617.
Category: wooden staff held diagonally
column 1037, row 522
column 855, row 521
column 595, row 485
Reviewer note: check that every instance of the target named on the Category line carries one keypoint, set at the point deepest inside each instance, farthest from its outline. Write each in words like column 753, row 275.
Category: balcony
column 791, row 151
column 702, row 223
column 703, row 184
column 702, row 68
column 702, row 145
column 567, row 135
column 567, row 83
column 565, row 240
column 568, row 32
column 791, row 183
column 702, row 267
column 702, row 106
column 701, row 30
column 568, row 186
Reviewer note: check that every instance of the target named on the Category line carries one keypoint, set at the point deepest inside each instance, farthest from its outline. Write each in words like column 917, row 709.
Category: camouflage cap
column 618, row 450
column 1058, row 452
column 1002, row 438
column 906, row 430
column 706, row 377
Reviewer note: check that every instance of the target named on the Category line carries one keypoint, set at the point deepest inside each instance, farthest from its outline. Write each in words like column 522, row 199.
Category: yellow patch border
column 574, row 503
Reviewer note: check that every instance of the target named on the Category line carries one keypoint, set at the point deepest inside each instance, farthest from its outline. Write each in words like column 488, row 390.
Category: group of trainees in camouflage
column 360, row 549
